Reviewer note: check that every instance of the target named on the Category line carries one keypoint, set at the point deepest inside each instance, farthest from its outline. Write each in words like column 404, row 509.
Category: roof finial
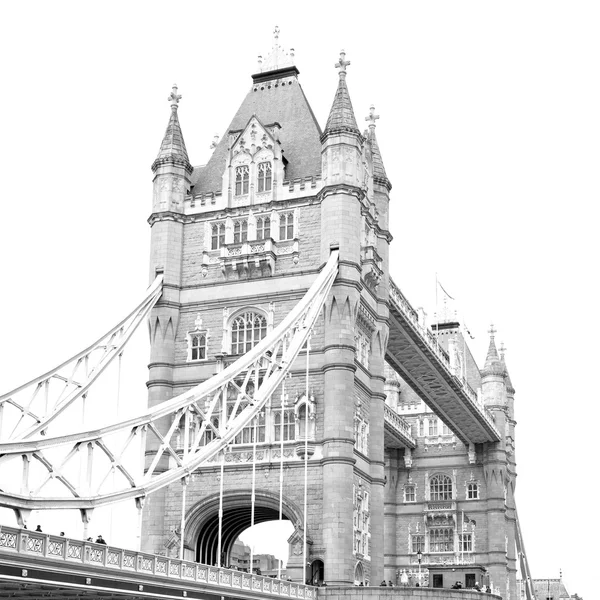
column 502, row 350
column 492, row 331
column 372, row 116
column 276, row 33
column 174, row 98
column 343, row 63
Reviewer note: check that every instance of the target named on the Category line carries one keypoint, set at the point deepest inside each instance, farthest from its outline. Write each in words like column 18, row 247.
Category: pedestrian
column 62, row 534
column 100, row 540
column 390, row 584
column 383, row 584
column 39, row 529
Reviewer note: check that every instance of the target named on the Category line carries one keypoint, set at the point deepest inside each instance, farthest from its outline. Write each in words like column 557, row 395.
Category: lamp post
column 419, row 558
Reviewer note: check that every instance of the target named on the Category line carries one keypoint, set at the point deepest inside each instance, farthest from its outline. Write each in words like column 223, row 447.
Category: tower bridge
column 289, row 379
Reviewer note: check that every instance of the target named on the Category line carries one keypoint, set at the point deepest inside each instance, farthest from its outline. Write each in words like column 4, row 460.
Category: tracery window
column 362, row 521
column 440, row 487
column 264, row 176
column 362, row 348
column 217, row 236
column 286, row 226
column 247, row 330
column 242, row 180
column 263, row 228
column 417, row 542
column 240, row 231
column 472, row 491
column 433, row 426
column 441, row 539
column 289, row 425
column 409, row 493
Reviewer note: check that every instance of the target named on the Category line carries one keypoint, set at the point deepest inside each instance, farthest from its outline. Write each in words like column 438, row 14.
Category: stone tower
column 240, row 240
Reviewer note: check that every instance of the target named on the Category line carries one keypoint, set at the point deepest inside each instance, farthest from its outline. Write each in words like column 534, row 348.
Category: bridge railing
column 400, row 301
column 66, row 550
column 394, row 419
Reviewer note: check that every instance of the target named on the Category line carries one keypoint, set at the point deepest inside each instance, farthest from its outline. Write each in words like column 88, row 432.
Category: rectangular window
column 198, row 346
column 465, row 542
column 242, row 180
column 286, row 226
column 264, row 177
column 472, row 491
column 289, row 425
column 438, row 580
column 421, row 428
column 409, row 493
column 445, row 430
column 441, row 539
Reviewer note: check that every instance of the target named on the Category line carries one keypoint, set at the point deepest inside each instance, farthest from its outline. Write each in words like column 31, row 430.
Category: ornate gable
column 255, row 165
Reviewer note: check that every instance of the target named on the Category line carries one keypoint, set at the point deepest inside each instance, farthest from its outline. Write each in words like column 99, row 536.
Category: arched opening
column 317, row 573
column 203, row 522
column 359, row 574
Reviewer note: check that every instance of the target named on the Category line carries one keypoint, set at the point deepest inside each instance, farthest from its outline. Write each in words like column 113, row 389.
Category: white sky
column 489, row 133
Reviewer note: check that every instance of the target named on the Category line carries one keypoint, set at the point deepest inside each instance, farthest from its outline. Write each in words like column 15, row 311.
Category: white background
column 489, row 132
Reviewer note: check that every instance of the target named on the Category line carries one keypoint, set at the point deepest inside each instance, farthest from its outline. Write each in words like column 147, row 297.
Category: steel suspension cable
column 281, row 467
column 306, row 456
column 253, row 500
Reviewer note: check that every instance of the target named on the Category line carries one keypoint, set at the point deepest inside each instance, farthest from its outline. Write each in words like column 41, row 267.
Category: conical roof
column 493, row 363
column 379, row 174
column 341, row 116
column 172, row 148
column 509, row 386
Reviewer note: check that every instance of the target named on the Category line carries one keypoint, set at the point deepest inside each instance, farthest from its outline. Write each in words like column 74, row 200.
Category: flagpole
column 462, row 552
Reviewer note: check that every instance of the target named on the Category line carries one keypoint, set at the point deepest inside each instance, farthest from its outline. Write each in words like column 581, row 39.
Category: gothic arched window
column 472, row 491
column 263, row 228
column 247, row 329
column 286, row 226
column 198, row 346
column 440, row 487
column 289, row 425
column 264, row 176
column 242, row 180
column 240, row 231
column 217, row 236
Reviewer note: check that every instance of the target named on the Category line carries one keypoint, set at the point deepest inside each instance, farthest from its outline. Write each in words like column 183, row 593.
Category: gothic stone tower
column 239, row 241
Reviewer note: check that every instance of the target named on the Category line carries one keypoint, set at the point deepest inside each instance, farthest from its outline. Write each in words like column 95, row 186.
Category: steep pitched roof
column 172, row 148
column 275, row 97
column 493, row 364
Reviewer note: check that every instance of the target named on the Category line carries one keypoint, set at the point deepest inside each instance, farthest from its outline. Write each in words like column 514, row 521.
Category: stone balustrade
column 65, row 550
column 397, row 422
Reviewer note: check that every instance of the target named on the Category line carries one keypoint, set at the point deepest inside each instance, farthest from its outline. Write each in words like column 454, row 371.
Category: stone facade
column 240, row 240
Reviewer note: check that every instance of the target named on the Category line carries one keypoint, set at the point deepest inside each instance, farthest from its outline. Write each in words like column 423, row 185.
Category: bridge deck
column 412, row 351
column 35, row 565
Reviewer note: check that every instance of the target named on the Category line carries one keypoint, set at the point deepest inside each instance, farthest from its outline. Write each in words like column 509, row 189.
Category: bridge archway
column 202, row 521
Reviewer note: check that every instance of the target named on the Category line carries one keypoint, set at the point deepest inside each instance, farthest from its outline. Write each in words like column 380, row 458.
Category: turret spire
column 378, row 168
column 493, row 363
column 341, row 117
column 172, row 149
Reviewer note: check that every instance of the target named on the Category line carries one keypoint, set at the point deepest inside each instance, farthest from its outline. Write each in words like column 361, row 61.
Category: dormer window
column 264, row 177
column 286, row 226
column 217, row 236
column 242, row 180
column 263, row 228
column 240, row 231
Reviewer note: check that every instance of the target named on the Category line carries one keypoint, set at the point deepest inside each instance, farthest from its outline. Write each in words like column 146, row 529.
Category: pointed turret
column 379, row 175
column 493, row 364
column 172, row 168
column 341, row 117
column 172, row 149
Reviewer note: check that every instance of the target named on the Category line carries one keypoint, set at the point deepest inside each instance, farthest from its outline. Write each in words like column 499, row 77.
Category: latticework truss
column 185, row 432
column 30, row 409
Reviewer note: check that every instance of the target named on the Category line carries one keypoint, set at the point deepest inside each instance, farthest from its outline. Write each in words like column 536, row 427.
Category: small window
column 240, row 231
column 217, row 236
column 417, row 543
column 242, row 180
column 433, row 426
column 286, row 226
column 198, row 346
column 264, row 176
column 438, row 580
column 465, row 542
column 289, row 425
column 472, row 491
column 421, row 428
column 263, row 228
column 446, row 430
column 409, row 493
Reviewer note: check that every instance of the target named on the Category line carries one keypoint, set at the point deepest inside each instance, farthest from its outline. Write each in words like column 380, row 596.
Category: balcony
column 397, row 432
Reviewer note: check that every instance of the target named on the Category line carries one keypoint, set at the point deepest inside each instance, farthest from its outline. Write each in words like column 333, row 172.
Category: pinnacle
column 172, row 148
column 341, row 116
column 378, row 168
column 493, row 363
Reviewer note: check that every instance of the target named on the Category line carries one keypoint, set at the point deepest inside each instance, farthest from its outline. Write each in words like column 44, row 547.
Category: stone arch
column 359, row 573
column 202, row 520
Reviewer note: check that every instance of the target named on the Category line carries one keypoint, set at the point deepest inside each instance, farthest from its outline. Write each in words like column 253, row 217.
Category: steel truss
column 210, row 415
column 32, row 407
